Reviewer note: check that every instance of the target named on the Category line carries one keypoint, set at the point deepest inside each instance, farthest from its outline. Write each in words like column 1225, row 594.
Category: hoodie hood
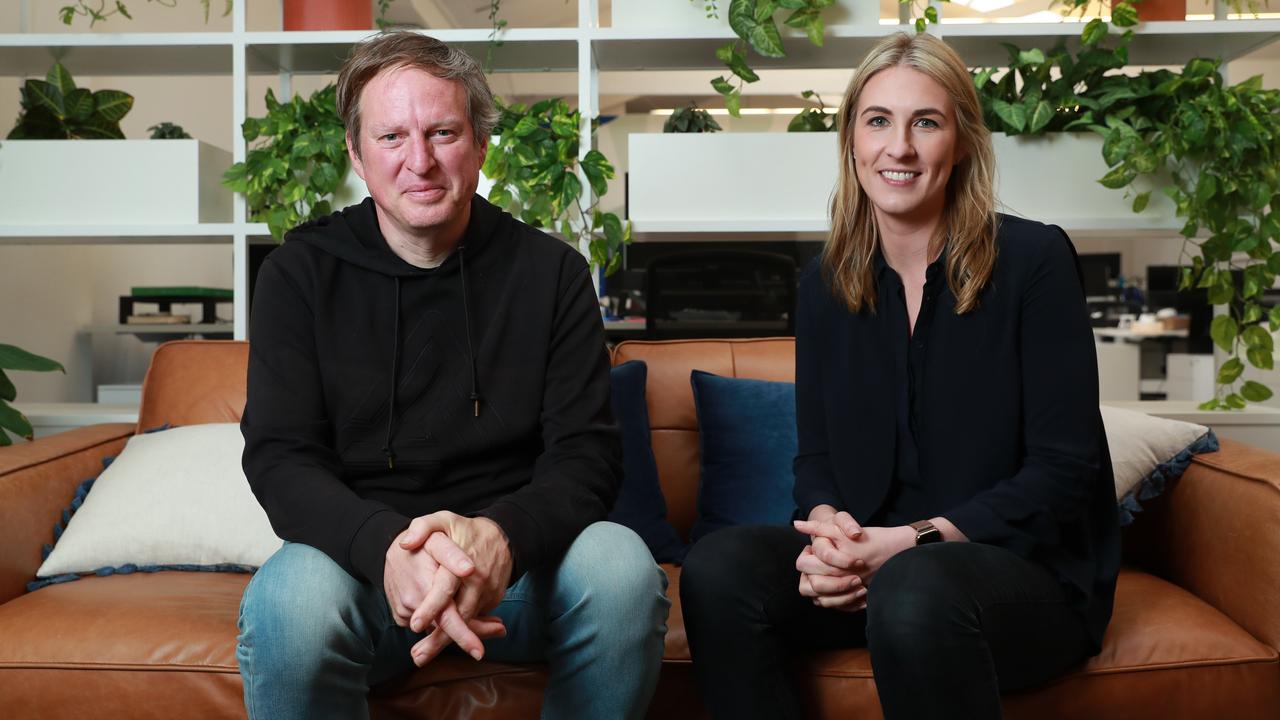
column 352, row 235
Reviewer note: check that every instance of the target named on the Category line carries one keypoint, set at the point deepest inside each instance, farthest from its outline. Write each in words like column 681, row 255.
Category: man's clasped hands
column 441, row 573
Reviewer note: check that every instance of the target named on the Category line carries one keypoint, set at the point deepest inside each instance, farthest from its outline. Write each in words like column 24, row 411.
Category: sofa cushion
column 1166, row 654
column 172, row 498
column 640, row 505
column 747, row 431
column 1149, row 453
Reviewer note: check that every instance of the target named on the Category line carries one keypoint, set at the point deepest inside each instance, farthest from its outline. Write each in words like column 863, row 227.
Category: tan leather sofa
column 1195, row 632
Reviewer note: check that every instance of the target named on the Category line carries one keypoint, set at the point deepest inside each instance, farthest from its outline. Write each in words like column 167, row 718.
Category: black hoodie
column 501, row 402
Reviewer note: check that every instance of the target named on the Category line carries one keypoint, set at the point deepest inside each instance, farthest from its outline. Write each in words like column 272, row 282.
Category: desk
column 1114, row 334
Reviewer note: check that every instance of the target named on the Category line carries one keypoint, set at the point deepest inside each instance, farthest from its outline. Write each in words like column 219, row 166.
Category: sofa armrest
column 37, row 481
column 1216, row 533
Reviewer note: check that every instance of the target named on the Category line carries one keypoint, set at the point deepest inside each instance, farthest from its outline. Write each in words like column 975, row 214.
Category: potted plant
column 691, row 119
column 534, row 167
column 118, row 181
column 297, row 161
column 1210, row 150
column 15, row 358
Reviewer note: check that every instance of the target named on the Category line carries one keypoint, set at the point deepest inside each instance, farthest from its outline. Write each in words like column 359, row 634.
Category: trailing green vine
column 497, row 25
column 1214, row 148
column 299, row 159
column 98, row 12
column 754, row 23
column 534, row 167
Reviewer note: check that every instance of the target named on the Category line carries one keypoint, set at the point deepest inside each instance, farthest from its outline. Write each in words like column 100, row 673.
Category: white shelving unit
column 585, row 50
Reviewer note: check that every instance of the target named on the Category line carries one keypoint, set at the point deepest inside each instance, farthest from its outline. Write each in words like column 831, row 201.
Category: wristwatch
column 926, row 532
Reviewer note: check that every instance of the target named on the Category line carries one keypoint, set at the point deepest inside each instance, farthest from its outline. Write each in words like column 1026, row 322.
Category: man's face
column 418, row 154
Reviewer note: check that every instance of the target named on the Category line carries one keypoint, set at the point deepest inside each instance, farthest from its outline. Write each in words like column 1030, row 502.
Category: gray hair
column 400, row 49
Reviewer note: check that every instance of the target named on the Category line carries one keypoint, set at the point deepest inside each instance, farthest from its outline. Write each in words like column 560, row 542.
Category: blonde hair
column 969, row 220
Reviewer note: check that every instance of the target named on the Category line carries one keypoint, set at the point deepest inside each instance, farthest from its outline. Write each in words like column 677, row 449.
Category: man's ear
column 354, row 156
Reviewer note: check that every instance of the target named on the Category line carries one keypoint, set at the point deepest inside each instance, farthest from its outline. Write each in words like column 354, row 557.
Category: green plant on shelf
column 813, row 119
column 754, row 22
column 299, row 158
column 168, row 131
column 690, row 119
column 55, row 109
column 15, row 358
column 534, row 166
column 98, row 11
column 1213, row 149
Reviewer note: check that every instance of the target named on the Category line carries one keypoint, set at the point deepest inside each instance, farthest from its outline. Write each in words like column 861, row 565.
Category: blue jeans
column 313, row 639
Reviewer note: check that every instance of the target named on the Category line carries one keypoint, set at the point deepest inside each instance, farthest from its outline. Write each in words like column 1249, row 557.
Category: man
column 428, row 429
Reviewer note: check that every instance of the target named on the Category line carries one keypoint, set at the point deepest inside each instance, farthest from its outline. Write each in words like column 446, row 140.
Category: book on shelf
column 158, row 319
column 182, row 291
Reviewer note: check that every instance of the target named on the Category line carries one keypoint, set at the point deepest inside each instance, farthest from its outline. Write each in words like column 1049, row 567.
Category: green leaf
column 613, row 229
column 570, row 191
column 7, row 390
column 501, row 196
column 43, row 95
column 15, row 422
column 1210, row 404
column 1015, row 116
column 79, row 104
column 733, row 101
column 527, row 124
column 60, row 80
column 1140, row 202
column 931, row 14
column 766, row 40
column 1235, row 402
column 1123, row 14
column 1259, row 358
column 1223, row 330
column 1205, row 189
column 721, row 85
column 112, row 105
column 1118, row 177
column 742, row 17
column 1040, row 117
column 814, row 29
column 1257, row 336
column 1273, row 318
column 1255, row 391
column 1229, row 371
column 1034, row 56
column 15, row 358
column 764, row 10
column 1093, row 32
column 919, row 25
column 981, row 79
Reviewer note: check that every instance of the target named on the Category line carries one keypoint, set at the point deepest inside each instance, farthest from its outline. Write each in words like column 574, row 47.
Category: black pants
column 949, row 626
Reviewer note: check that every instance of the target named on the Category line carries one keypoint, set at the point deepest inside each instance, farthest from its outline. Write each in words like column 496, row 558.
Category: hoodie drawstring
column 466, row 315
column 395, row 372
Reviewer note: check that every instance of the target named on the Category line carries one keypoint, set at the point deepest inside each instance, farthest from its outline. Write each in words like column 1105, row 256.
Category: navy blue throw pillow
column 747, row 435
column 640, row 504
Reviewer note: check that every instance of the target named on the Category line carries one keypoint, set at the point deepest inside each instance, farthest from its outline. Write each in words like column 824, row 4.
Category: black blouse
column 1002, row 410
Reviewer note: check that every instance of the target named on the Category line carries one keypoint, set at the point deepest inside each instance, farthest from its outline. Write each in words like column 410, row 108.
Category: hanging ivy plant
column 534, row 167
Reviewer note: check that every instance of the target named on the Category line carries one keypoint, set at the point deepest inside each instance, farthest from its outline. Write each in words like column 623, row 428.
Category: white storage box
column 112, row 182
column 120, row 394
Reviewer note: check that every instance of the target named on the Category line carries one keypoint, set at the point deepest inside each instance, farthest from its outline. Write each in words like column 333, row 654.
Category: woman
column 952, row 471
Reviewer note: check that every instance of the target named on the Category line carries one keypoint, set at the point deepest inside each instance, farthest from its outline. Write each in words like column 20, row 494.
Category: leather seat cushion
column 163, row 645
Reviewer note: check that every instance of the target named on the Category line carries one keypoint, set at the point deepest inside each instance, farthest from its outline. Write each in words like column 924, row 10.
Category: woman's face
column 904, row 145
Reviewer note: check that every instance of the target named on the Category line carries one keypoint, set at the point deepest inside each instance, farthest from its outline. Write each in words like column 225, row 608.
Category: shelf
column 117, row 54
column 788, row 230
column 526, row 49
column 1157, row 43
column 174, row 329
column 196, row 234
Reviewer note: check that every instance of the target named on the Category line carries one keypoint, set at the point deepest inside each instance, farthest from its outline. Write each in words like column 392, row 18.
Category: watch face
column 926, row 533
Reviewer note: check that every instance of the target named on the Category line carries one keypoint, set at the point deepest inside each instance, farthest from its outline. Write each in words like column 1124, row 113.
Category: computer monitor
column 1100, row 271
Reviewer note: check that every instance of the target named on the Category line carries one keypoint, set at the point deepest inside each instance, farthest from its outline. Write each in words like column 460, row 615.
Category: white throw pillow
column 173, row 497
column 1147, row 452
